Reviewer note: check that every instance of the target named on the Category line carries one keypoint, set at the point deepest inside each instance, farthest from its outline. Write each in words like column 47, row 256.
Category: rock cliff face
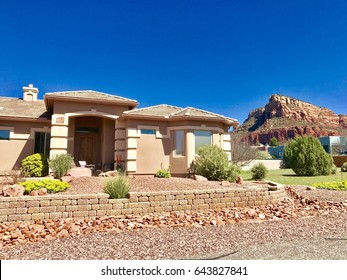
column 285, row 118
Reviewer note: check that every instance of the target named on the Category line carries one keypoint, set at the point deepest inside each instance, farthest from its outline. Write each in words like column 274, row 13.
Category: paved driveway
column 329, row 248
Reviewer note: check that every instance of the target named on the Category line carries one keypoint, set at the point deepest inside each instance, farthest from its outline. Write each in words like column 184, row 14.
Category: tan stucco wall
column 152, row 153
column 21, row 143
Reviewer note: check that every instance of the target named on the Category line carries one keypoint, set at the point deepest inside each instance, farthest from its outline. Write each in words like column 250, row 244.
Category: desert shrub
column 307, row 157
column 336, row 185
column 263, row 155
column 35, row 165
column 163, row 173
column 51, row 185
column 242, row 154
column 344, row 167
column 212, row 162
column 273, row 142
column 60, row 164
column 117, row 187
column 259, row 171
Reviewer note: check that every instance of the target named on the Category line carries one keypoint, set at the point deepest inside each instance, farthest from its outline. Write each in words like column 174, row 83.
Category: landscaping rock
column 200, row 178
column 239, row 180
column 79, row 172
column 13, row 190
column 42, row 191
column 34, row 193
column 111, row 173
column 225, row 184
column 66, row 179
column 63, row 234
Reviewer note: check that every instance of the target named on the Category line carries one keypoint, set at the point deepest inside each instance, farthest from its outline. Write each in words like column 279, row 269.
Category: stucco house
column 104, row 129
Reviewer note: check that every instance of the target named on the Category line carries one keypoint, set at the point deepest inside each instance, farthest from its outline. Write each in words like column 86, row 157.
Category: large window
column 202, row 137
column 4, row 134
column 42, row 143
column 179, row 142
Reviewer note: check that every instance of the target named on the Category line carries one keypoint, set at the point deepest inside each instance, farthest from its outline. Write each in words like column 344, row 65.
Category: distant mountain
column 285, row 118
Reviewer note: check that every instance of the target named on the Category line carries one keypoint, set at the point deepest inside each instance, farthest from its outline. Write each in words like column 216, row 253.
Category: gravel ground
column 186, row 242
column 178, row 243
column 147, row 183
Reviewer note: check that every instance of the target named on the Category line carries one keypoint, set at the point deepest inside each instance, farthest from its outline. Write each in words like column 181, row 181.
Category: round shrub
column 60, row 164
column 259, row 171
column 307, row 157
column 35, row 165
column 51, row 185
column 212, row 162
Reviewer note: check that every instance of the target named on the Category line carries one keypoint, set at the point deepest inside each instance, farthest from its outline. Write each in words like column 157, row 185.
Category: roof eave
column 89, row 100
column 26, row 119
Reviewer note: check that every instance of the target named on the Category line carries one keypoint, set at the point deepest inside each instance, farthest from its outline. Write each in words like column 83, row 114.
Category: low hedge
column 51, row 185
column 335, row 185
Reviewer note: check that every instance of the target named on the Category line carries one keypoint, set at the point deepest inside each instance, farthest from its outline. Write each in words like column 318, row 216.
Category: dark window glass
column 42, row 143
column 4, row 135
column 82, row 129
column 148, row 131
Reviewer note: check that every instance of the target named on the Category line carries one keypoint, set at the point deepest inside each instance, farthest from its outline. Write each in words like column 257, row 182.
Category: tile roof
column 172, row 112
column 15, row 107
column 89, row 94
column 161, row 110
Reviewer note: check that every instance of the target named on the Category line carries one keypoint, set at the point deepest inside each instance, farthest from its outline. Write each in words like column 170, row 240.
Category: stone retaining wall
column 90, row 205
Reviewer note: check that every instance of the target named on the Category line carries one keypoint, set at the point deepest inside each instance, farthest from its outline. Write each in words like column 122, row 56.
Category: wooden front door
column 86, row 145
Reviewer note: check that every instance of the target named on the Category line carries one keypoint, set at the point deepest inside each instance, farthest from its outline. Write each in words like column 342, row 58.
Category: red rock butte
column 285, row 118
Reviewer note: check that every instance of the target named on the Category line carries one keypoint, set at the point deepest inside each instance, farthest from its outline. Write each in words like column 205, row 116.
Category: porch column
column 59, row 134
column 131, row 149
column 226, row 144
column 190, row 147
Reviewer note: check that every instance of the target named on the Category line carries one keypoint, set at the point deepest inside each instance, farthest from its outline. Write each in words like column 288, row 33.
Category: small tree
column 306, row 156
column 273, row 142
column 242, row 154
column 212, row 162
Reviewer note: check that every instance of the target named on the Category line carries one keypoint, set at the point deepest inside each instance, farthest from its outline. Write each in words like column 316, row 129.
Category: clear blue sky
column 223, row 56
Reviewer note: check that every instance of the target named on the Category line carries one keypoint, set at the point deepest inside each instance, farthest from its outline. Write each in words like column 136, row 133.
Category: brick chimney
column 30, row 93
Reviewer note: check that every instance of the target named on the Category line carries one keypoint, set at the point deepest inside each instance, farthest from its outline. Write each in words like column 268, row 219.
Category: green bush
column 163, row 173
column 273, row 142
column 117, row 187
column 307, row 157
column 35, row 165
column 263, row 155
column 344, row 167
column 259, row 171
column 51, row 185
column 212, row 162
column 60, row 164
column 336, row 185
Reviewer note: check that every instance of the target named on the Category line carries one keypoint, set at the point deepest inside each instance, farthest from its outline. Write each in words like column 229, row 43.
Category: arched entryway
column 92, row 139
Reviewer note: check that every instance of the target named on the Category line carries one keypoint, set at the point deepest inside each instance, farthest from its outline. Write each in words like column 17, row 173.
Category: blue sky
column 227, row 57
